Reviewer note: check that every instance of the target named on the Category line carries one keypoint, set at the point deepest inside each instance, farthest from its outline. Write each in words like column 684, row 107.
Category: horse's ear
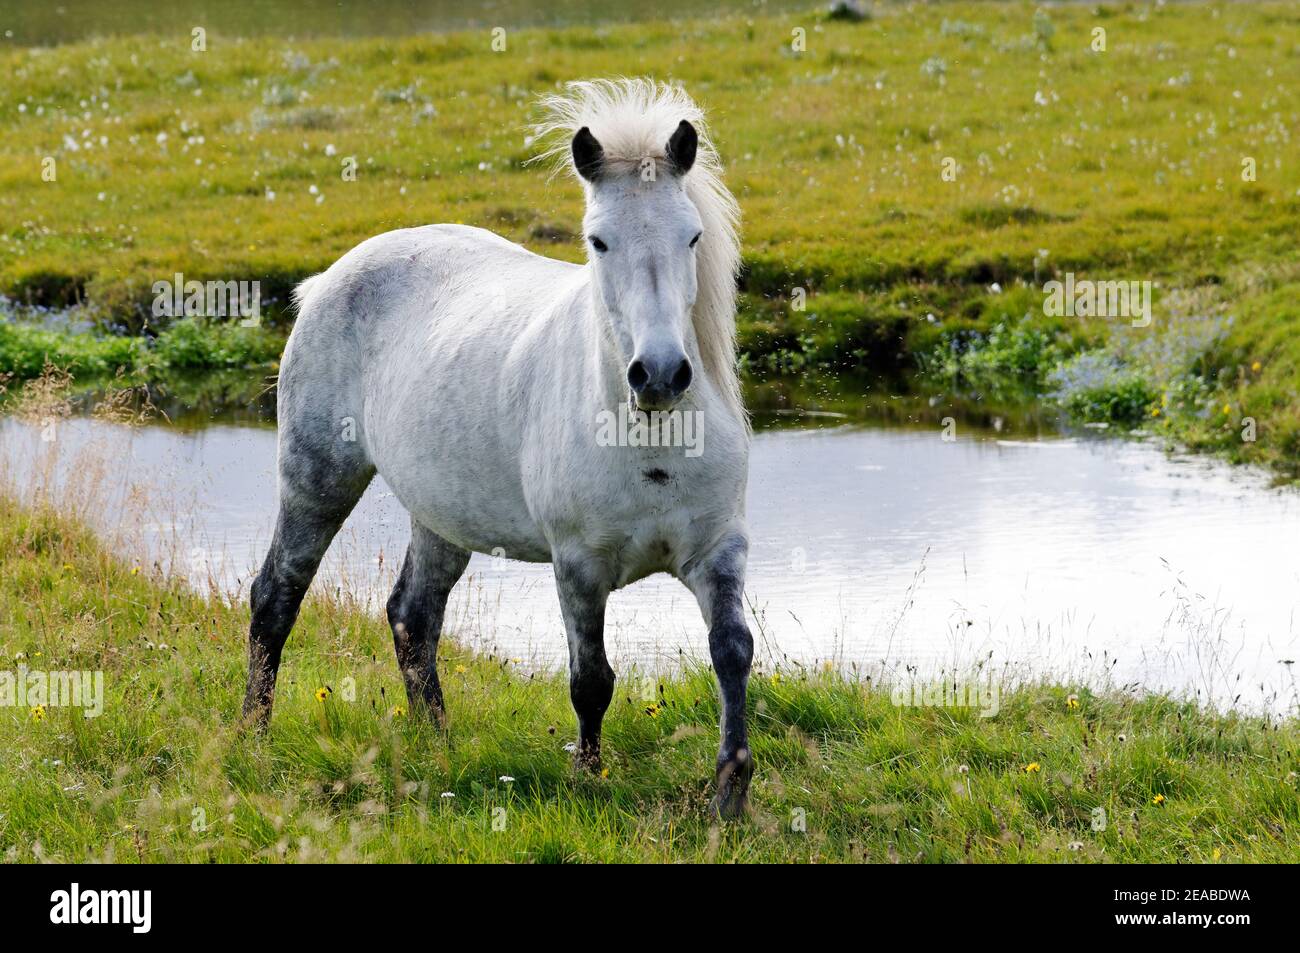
column 588, row 156
column 680, row 153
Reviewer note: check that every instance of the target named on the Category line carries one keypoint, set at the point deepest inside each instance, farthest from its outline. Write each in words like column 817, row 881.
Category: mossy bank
column 919, row 176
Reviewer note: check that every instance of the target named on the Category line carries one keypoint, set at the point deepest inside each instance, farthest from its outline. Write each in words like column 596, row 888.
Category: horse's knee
column 732, row 650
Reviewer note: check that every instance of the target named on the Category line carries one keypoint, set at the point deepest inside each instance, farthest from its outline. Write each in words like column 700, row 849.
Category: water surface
column 876, row 548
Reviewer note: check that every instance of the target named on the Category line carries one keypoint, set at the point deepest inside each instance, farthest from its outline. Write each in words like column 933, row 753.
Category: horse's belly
column 475, row 522
column 460, row 488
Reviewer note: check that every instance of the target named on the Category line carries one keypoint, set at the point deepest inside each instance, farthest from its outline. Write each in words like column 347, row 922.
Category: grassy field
column 1122, row 164
column 164, row 773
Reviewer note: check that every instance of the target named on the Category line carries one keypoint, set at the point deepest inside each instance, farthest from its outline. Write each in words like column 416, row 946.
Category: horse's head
column 642, row 231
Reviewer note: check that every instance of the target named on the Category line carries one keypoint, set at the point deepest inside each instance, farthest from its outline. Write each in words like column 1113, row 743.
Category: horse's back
column 407, row 340
column 366, row 281
column 414, row 287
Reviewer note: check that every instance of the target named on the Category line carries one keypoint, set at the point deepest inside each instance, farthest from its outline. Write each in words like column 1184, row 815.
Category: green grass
column 1138, row 188
column 164, row 774
column 1123, row 164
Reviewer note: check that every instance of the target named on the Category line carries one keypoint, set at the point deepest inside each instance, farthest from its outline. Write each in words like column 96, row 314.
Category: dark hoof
column 587, row 759
column 732, row 798
column 432, row 713
column 255, row 717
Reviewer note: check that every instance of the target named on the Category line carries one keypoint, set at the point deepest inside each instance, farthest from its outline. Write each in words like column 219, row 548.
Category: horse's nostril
column 682, row 378
column 637, row 375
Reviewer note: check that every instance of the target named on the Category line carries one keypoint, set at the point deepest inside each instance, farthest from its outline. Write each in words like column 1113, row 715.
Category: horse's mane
column 633, row 119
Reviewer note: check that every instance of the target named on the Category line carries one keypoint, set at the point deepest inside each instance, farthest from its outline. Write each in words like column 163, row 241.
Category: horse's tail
column 303, row 289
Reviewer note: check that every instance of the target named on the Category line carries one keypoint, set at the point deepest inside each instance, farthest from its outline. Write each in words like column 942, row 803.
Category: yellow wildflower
column 38, row 713
column 460, row 669
column 398, row 711
column 1158, row 799
column 1256, row 368
column 1072, row 701
column 1033, row 767
column 322, row 694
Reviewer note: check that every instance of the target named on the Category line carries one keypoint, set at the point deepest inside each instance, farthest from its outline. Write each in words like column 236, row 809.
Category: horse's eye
column 597, row 244
column 695, row 239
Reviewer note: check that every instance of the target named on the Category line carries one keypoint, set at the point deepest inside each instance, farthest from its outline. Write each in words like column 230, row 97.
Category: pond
column 879, row 545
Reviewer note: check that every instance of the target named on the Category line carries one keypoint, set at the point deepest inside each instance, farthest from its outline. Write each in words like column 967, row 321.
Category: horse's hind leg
column 415, row 611
column 317, row 492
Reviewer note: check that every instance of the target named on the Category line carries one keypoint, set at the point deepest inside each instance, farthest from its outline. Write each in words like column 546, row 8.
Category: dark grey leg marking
column 302, row 535
column 591, row 680
column 719, row 584
column 415, row 611
column 321, row 479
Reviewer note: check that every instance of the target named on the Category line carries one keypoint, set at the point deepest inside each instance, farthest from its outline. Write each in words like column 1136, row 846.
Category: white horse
column 480, row 381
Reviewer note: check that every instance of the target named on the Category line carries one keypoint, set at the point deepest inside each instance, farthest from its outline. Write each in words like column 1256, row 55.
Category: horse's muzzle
column 658, row 384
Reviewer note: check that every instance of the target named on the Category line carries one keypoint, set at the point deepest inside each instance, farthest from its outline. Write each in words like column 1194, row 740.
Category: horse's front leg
column 718, row 581
column 583, row 594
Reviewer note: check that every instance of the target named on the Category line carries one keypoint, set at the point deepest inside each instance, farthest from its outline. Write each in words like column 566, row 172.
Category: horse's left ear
column 588, row 156
column 680, row 153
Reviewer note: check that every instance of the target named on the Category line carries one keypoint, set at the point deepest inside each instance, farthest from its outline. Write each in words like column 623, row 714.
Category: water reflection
column 875, row 548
